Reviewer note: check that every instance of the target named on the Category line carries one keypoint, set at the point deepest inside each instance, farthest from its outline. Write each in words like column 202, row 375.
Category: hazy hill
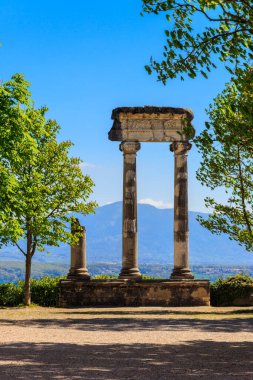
column 15, row 270
column 155, row 240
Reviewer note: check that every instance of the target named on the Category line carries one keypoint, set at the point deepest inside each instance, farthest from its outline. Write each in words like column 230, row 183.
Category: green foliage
column 41, row 186
column 226, row 146
column 45, row 292
column 12, row 294
column 147, row 277
column 115, row 277
column 227, row 33
column 105, row 277
column 225, row 291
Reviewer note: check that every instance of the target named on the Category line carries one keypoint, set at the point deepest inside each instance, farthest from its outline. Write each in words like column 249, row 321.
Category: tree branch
column 194, row 50
column 52, row 212
column 20, row 249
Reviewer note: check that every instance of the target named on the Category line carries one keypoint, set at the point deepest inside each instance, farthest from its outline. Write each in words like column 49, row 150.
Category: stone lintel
column 150, row 124
column 149, row 110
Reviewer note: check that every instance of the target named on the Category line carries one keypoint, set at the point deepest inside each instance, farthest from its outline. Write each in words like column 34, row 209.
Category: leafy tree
column 226, row 145
column 227, row 33
column 40, row 185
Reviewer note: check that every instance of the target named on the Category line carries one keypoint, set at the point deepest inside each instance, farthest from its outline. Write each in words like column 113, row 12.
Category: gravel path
column 126, row 343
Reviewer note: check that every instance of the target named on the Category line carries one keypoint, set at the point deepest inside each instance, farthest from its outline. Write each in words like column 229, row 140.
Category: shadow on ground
column 194, row 360
column 147, row 312
column 131, row 324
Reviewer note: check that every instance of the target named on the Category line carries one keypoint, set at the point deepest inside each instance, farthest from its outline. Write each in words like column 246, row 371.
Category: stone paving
column 126, row 343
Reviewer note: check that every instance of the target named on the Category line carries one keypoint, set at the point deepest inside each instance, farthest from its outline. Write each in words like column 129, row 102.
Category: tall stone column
column 129, row 229
column 78, row 268
column 181, row 230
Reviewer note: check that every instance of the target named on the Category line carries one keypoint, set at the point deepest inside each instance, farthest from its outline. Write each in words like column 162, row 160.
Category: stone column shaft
column 78, row 268
column 181, row 231
column 129, row 228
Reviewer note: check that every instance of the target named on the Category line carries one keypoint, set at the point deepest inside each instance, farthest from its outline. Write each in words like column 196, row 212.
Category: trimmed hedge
column 44, row 292
column 11, row 294
column 224, row 291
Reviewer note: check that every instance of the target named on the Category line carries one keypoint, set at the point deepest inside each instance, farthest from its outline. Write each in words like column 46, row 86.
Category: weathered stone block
column 244, row 301
column 134, row 293
column 153, row 124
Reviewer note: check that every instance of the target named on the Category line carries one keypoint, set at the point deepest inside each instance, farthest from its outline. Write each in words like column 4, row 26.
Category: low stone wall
column 244, row 301
column 133, row 293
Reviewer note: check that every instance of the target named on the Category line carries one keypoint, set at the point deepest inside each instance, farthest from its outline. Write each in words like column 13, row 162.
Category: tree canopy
column 226, row 146
column 41, row 186
column 227, row 34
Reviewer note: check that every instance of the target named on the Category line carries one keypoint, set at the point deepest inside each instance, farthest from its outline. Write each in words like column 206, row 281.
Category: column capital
column 180, row 147
column 130, row 147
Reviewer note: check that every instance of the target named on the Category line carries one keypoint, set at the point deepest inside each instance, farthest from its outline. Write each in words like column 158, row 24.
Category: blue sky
column 85, row 58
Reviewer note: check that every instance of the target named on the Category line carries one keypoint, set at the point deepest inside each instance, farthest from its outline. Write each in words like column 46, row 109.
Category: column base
column 130, row 274
column 181, row 273
column 79, row 274
column 71, row 273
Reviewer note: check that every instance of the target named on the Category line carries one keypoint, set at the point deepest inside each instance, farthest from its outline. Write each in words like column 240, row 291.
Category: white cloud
column 157, row 204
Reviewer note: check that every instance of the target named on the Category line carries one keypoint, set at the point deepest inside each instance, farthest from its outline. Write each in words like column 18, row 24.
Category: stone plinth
column 133, row 293
column 150, row 124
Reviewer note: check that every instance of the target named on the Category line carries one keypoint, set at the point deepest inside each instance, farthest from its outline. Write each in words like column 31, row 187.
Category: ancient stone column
column 129, row 229
column 181, row 231
column 78, row 268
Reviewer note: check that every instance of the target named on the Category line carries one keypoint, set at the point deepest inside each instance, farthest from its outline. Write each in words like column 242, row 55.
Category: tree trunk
column 28, row 265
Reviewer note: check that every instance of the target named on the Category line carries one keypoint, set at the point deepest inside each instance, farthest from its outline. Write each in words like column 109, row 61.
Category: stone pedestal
column 78, row 268
column 134, row 293
column 181, row 231
column 129, row 227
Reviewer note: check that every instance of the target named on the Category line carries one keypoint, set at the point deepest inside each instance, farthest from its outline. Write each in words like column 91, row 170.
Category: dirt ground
column 126, row 343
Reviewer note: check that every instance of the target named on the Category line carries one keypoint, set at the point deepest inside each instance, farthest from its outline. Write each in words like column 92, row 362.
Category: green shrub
column 11, row 294
column 105, row 277
column 148, row 277
column 224, row 291
column 45, row 292
column 115, row 277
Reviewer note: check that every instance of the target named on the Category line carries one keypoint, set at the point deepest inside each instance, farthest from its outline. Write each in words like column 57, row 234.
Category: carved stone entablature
column 153, row 124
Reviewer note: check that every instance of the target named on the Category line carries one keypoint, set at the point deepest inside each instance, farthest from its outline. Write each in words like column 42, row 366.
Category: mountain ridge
column 155, row 236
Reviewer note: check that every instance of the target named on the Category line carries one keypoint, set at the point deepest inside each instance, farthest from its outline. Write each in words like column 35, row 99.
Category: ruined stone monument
column 131, row 127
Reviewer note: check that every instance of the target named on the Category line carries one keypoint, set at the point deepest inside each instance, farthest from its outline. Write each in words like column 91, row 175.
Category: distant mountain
column 15, row 270
column 155, row 231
